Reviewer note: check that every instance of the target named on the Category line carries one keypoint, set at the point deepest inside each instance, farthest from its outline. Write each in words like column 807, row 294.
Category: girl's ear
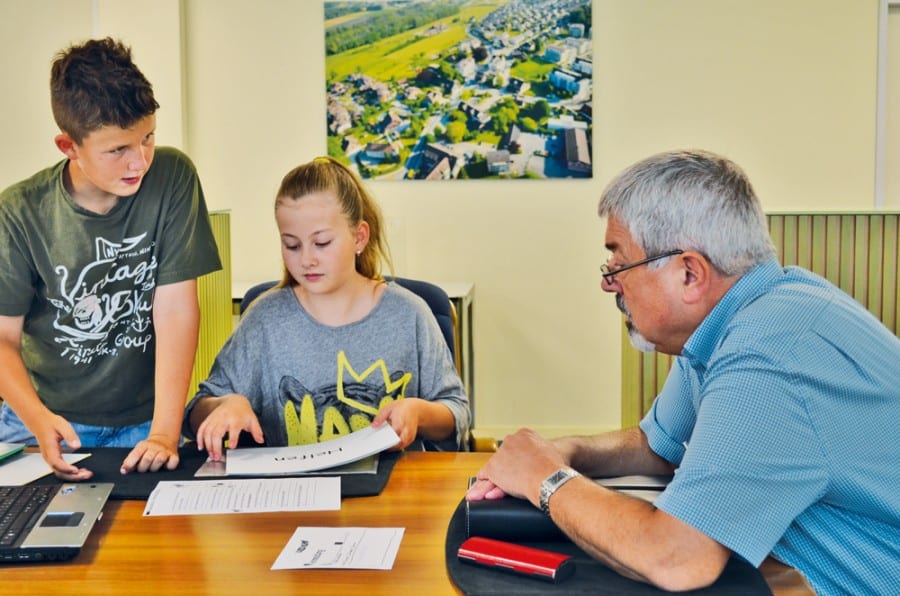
column 362, row 236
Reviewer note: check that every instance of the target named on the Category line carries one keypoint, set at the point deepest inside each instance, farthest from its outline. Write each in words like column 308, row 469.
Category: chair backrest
column 436, row 298
column 439, row 303
column 253, row 293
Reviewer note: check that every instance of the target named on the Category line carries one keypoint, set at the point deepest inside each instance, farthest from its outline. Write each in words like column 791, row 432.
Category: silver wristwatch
column 552, row 483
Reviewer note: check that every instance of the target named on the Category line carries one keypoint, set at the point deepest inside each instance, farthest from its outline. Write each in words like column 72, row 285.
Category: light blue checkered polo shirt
column 782, row 414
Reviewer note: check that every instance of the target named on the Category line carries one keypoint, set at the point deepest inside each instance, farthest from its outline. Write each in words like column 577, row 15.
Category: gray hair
column 692, row 200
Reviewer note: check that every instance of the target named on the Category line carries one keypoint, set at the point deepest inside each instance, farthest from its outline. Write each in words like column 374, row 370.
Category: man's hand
column 484, row 489
column 151, row 454
column 518, row 467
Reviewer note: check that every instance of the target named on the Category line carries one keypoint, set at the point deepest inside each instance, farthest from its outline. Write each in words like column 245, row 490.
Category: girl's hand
column 403, row 416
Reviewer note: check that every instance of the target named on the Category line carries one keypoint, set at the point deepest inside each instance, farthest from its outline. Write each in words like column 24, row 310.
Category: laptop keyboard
column 20, row 509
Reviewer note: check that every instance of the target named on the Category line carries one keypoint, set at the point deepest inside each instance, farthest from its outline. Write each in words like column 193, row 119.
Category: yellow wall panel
column 214, row 292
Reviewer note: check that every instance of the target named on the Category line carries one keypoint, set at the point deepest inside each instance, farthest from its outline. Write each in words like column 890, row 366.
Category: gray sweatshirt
column 310, row 382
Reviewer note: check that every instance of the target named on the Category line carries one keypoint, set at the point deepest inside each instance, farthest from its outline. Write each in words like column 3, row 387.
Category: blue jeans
column 13, row 430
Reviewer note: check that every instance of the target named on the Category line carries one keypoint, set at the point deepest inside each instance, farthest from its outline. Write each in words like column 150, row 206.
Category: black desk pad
column 105, row 462
column 591, row 576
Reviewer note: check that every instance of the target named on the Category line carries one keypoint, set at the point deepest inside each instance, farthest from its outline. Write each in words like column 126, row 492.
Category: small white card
column 341, row 548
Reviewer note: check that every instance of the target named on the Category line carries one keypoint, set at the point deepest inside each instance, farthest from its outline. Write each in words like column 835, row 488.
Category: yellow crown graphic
column 389, row 386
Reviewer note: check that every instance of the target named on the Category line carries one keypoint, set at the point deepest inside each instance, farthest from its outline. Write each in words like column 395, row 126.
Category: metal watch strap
column 552, row 483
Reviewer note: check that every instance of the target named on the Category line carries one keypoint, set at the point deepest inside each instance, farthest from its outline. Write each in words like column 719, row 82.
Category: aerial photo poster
column 460, row 89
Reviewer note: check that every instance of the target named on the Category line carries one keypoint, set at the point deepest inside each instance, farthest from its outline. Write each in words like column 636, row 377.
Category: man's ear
column 697, row 276
column 66, row 144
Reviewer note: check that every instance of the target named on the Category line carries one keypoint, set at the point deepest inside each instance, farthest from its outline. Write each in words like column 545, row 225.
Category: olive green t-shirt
column 85, row 283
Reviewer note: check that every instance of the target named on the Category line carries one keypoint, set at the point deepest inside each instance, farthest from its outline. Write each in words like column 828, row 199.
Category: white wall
column 787, row 89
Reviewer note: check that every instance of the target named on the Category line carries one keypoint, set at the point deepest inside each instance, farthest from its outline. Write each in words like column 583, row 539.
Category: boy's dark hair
column 96, row 84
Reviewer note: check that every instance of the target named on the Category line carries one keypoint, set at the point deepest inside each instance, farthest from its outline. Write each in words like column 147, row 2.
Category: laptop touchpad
column 62, row 520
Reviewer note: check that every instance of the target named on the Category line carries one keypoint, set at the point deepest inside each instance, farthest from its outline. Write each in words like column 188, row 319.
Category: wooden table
column 232, row 554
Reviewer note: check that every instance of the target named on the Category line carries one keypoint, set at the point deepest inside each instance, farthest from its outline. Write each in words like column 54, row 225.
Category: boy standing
column 98, row 294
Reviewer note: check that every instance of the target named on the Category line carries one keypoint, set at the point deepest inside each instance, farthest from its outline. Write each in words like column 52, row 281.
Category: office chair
column 253, row 293
column 445, row 314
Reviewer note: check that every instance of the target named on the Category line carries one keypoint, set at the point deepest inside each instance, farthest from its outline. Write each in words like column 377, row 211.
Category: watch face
column 560, row 474
column 553, row 482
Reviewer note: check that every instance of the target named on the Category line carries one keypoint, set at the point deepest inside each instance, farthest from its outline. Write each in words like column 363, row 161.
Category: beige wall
column 30, row 33
column 787, row 89
column 892, row 112
column 33, row 31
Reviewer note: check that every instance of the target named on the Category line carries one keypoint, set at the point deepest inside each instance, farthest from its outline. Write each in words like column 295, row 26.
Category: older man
column 778, row 418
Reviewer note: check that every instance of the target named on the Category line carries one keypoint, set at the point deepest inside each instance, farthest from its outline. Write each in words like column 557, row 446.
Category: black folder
column 105, row 462
column 517, row 520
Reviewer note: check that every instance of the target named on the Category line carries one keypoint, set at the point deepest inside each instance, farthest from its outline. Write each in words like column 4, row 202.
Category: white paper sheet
column 280, row 461
column 366, row 465
column 643, row 487
column 245, row 495
column 636, row 482
column 23, row 468
column 341, row 548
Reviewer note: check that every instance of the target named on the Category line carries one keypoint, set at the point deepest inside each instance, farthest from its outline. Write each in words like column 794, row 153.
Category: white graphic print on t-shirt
column 107, row 305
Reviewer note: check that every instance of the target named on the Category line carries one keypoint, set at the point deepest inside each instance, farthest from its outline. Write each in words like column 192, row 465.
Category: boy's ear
column 66, row 144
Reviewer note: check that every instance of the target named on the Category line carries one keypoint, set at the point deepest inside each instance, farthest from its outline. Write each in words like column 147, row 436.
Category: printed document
column 282, row 461
column 244, row 495
column 341, row 548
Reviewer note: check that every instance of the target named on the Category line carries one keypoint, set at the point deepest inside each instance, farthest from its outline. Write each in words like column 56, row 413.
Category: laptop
column 48, row 522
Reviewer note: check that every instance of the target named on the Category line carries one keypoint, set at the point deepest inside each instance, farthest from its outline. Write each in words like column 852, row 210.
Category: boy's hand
column 50, row 438
column 151, row 454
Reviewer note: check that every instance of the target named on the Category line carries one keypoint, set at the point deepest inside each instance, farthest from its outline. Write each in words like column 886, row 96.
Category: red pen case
column 515, row 558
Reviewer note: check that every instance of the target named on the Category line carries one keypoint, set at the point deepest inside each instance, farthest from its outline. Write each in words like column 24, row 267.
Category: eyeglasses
column 608, row 274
